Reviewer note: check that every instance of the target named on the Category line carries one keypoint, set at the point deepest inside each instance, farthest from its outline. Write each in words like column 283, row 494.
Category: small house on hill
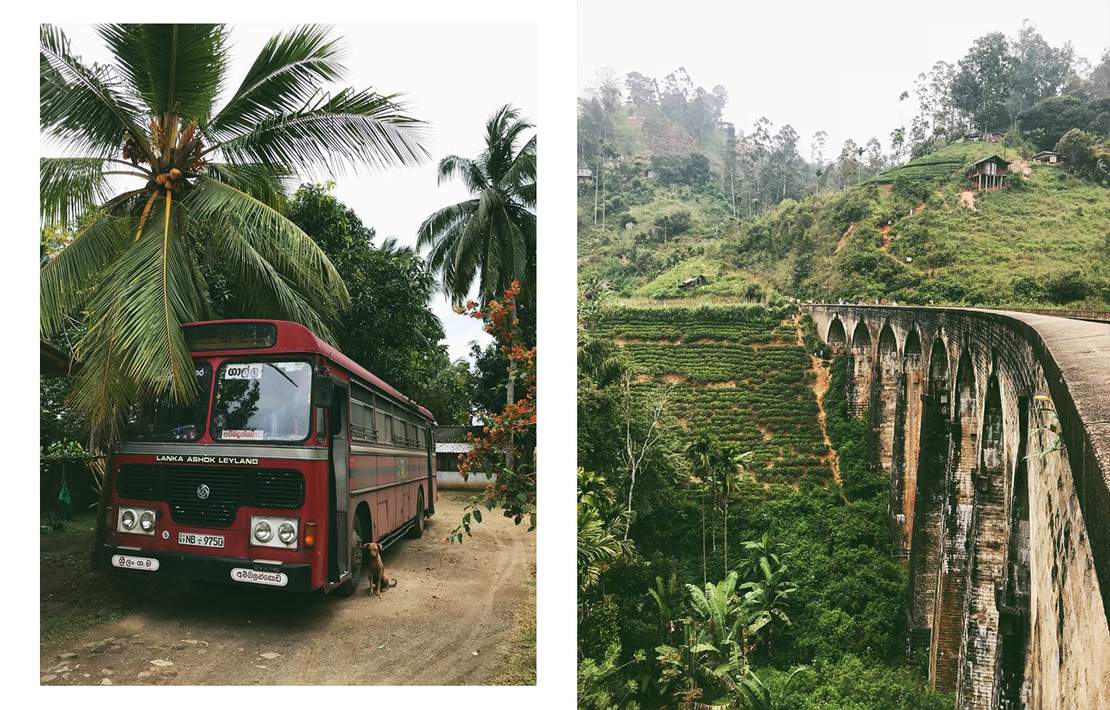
column 989, row 173
column 1048, row 157
column 693, row 281
column 585, row 176
column 451, row 442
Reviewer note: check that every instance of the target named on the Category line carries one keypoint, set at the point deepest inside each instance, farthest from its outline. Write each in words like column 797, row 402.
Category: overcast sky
column 833, row 66
column 443, row 71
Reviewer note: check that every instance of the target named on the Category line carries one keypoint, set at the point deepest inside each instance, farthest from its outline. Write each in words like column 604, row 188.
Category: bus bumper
column 296, row 577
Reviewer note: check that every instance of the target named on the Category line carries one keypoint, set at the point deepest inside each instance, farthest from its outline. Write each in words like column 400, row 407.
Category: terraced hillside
column 735, row 372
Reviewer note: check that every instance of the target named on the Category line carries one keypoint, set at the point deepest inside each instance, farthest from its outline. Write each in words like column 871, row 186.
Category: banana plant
column 767, row 597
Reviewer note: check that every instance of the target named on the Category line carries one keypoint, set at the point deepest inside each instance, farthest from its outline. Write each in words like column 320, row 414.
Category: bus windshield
column 163, row 419
column 262, row 401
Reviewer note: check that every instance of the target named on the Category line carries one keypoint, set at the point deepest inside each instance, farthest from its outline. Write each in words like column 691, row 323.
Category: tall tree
column 490, row 237
column 1040, row 70
column 207, row 187
column 642, row 90
column 981, row 88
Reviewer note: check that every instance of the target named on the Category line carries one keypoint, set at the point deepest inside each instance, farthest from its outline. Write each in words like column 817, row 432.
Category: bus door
column 339, row 457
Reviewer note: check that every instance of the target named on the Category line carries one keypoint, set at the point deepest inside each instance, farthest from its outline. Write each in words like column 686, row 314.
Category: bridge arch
column 912, row 348
column 888, row 344
column 836, row 338
column 861, row 338
column 859, row 392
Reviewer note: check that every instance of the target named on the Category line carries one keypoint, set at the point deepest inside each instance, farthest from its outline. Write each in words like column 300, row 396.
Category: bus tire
column 349, row 587
column 417, row 529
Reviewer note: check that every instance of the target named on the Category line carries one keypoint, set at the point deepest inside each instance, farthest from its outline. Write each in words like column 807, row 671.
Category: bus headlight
column 287, row 533
column 274, row 531
column 262, row 531
column 137, row 521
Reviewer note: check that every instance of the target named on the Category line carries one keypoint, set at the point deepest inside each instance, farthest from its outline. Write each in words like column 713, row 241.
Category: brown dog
column 378, row 580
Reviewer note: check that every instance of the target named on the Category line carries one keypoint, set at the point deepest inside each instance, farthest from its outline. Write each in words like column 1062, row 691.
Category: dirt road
column 460, row 614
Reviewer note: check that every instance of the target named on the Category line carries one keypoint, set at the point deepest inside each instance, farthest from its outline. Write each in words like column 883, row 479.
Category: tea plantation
column 735, row 372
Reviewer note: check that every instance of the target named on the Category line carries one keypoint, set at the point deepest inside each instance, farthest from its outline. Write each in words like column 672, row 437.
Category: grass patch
column 72, row 597
column 521, row 666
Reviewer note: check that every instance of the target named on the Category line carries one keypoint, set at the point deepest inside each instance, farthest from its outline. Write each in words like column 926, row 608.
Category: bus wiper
column 282, row 373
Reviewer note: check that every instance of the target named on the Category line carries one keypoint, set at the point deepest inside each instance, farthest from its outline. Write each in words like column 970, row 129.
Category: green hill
column 915, row 234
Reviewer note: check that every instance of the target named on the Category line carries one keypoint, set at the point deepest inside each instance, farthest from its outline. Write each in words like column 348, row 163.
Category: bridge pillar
column 1011, row 689
column 908, row 440
column 889, row 381
column 956, row 519
column 862, row 364
column 989, row 539
column 925, row 550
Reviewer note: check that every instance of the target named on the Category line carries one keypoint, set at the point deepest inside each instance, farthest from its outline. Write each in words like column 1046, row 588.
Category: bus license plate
column 187, row 538
column 146, row 564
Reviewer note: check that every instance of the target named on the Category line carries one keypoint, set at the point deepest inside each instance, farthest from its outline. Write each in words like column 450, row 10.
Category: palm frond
column 69, row 188
column 293, row 253
column 267, row 184
column 334, row 134
column 84, row 108
column 264, row 291
column 142, row 300
column 521, row 172
column 174, row 68
column 64, row 280
column 469, row 171
column 284, row 77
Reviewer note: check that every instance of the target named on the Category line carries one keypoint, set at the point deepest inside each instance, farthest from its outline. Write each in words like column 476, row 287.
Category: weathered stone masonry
column 995, row 429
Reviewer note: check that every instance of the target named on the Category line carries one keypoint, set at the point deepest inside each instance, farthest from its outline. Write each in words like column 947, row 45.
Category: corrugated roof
column 991, row 158
column 454, row 434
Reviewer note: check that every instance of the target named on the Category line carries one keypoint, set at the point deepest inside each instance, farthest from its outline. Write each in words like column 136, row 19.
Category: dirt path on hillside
column 820, row 387
column 460, row 614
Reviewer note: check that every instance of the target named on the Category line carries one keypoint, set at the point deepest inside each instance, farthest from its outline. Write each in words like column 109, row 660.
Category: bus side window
column 321, row 425
column 383, row 433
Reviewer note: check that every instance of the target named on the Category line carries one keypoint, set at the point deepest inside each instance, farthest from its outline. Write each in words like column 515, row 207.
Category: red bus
column 290, row 458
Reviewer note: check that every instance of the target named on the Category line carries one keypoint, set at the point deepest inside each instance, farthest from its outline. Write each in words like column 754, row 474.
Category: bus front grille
column 278, row 489
column 210, row 496
column 205, row 497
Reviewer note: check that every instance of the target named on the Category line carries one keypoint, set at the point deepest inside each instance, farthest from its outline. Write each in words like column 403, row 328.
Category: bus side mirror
column 323, row 390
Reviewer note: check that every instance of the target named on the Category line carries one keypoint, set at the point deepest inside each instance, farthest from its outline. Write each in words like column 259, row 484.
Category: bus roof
column 294, row 337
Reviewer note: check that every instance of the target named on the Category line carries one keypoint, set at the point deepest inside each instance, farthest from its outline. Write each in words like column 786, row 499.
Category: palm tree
column 206, row 191
column 699, row 455
column 492, row 235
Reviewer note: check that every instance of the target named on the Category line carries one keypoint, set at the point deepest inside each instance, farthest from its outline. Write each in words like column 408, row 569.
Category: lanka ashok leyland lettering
column 290, row 457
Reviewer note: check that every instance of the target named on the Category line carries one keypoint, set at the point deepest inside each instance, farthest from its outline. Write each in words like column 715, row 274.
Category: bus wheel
column 349, row 587
column 417, row 529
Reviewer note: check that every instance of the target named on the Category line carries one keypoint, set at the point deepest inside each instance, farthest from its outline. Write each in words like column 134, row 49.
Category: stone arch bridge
column 994, row 428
